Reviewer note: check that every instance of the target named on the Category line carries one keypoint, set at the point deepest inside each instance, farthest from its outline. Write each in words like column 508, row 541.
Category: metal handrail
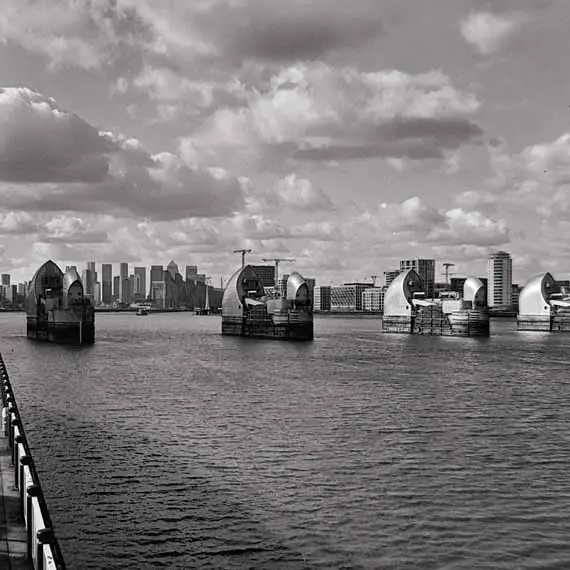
column 43, row 546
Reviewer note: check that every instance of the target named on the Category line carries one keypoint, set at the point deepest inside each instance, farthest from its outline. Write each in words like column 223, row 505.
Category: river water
column 166, row 445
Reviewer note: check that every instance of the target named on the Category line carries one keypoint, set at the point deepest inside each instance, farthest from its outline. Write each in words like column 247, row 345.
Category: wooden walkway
column 27, row 538
column 13, row 536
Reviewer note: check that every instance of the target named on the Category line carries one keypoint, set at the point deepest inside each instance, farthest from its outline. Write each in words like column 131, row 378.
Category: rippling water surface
column 166, row 445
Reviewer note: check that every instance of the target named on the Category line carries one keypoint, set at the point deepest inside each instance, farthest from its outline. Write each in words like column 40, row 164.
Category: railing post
column 45, row 536
column 13, row 423
column 33, row 491
column 25, row 461
column 15, row 457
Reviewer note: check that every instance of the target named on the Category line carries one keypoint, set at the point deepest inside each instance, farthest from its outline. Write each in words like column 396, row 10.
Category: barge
column 543, row 306
column 406, row 309
column 247, row 310
column 57, row 309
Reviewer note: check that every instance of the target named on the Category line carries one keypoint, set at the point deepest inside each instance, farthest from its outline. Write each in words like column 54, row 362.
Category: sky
column 344, row 135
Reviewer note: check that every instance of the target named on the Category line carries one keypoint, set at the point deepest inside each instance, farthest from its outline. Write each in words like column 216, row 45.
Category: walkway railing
column 43, row 547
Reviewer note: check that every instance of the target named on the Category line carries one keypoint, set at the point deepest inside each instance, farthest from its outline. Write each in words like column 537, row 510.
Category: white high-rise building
column 500, row 274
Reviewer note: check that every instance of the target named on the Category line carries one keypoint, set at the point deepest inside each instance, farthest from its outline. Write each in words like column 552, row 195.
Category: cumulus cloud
column 17, row 223
column 536, row 179
column 95, row 171
column 488, row 32
column 415, row 221
column 71, row 229
column 89, row 34
column 320, row 113
column 292, row 192
column 79, row 33
column 41, row 143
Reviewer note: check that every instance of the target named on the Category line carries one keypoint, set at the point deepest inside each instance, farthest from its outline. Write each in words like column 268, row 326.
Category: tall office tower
column 500, row 275
column 107, row 283
column 134, row 283
column 191, row 271
column 266, row 274
column 156, row 273
column 425, row 268
column 172, row 268
column 116, row 287
column 389, row 276
column 5, row 280
column 126, row 296
column 157, row 285
column 91, row 267
column 97, row 293
column 88, row 278
column 282, row 284
column 141, row 273
column 124, row 281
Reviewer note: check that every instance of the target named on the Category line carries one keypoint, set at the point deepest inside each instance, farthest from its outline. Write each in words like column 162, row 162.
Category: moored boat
column 57, row 310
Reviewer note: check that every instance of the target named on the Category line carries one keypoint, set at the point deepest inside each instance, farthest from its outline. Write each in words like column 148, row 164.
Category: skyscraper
column 141, row 288
column 116, row 287
column 425, row 268
column 6, row 279
column 97, row 293
column 191, row 271
column 124, row 292
column 500, row 274
column 157, row 285
column 91, row 267
column 266, row 274
column 89, row 279
column 389, row 276
column 107, row 283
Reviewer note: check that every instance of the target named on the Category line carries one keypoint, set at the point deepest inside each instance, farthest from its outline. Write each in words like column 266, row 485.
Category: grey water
column 166, row 445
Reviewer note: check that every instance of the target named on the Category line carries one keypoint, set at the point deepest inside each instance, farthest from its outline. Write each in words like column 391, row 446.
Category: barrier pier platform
column 27, row 538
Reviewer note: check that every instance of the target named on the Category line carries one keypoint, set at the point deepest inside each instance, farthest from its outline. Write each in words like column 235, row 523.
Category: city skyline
column 346, row 136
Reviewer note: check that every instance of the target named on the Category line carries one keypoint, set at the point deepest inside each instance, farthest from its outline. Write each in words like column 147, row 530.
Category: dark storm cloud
column 416, row 139
column 41, row 145
column 294, row 30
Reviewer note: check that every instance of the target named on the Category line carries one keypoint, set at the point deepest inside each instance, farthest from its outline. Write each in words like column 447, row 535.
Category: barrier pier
column 27, row 538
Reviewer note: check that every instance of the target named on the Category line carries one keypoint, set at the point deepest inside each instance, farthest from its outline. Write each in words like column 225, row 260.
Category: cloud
column 317, row 112
column 41, row 143
column 290, row 192
column 535, row 180
column 176, row 95
column 79, row 33
column 71, row 229
column 414, row 221
column 297, row 30
column 16, row 223
column 489, row 32
column 98, row 172
column 165, row 85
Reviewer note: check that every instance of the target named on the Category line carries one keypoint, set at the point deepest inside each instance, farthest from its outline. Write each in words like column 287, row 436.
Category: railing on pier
column 43, row 547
